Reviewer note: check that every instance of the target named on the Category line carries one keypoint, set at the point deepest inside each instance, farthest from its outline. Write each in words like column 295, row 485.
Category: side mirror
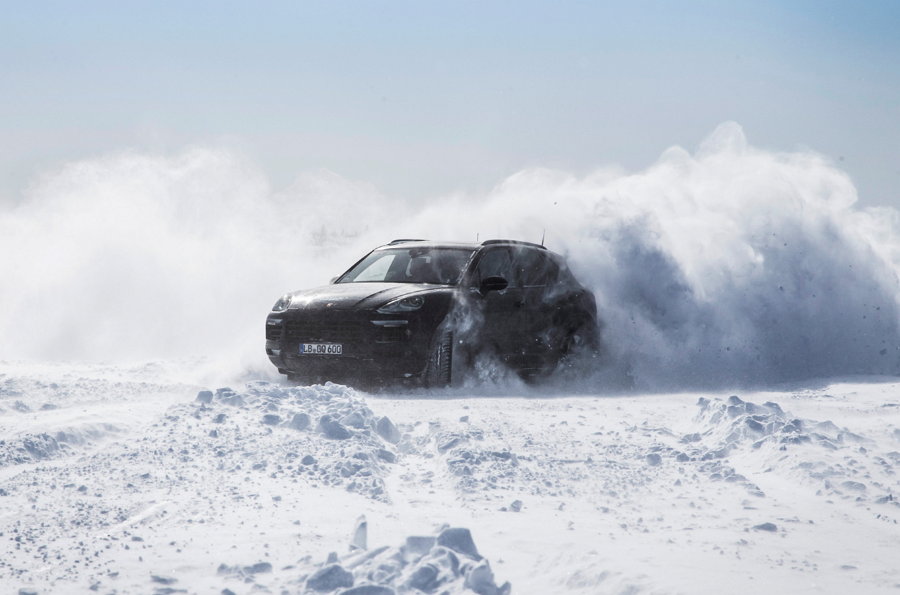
column 333, row 279
column 493, row 284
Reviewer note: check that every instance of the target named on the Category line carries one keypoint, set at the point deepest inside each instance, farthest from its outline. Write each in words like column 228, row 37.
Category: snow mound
column 735, row 421
column 323, row 433
column 51, row 412
column 835, row 459
column 224, row 454
column 35, row 447
column 447, row 563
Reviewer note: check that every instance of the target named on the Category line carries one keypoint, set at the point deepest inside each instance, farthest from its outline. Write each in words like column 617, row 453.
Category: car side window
column 495, row 263
column 534, row 269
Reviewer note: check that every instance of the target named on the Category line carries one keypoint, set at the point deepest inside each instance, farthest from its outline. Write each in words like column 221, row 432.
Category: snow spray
column 731, row 265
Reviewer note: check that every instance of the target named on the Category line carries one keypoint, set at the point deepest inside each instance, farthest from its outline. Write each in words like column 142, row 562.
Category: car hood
column 352, row 296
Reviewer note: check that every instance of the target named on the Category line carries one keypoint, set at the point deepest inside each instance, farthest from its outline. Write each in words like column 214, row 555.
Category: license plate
column 321, row 349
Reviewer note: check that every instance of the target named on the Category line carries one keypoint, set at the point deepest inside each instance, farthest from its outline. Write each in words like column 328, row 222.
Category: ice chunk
column 358, row 542
column 424, row 578
column 300, row 421
column 480, row 579
column 163, row 580
column 386, row 455
column 258, row 568
column 369, row 590
column 387, row 430
column 332, row 428
column 330, row 578
column 419, row 545
column 449, row 441
column 458, row 539
column 854, row 485
column 354, row 419
column 231, row 399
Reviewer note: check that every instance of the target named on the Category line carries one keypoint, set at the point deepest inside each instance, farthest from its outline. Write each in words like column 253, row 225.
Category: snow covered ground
column 132, row 479
column 727, row 265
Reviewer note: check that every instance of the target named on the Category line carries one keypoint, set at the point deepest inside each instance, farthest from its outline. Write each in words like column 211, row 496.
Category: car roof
column 466, row 245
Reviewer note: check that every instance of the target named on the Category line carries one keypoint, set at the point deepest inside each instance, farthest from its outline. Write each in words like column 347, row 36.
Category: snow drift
column 266, row 488
column 730, row 265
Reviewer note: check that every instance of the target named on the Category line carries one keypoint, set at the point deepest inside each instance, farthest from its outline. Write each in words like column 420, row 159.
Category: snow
column 683, row 464
column 128, row 479
column 728, row 265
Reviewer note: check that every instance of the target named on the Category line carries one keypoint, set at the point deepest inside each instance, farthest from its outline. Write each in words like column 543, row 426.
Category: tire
column 439, row 370
column 580, row 344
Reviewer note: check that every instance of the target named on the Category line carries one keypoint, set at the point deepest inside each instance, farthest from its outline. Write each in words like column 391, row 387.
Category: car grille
column 324, row 329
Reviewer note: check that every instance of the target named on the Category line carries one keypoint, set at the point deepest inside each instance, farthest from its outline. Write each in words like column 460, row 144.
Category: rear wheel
column 579, row 343
column 439, row 370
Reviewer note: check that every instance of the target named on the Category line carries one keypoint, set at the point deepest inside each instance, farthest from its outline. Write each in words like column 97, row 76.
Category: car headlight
column 283, row 303
column 407, row 304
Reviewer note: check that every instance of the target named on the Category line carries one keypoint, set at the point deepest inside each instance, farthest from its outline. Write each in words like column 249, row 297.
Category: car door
column 535, row 275
column 501, row 313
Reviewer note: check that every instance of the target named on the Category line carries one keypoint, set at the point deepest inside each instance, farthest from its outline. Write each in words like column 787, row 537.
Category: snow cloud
column 729, row 265
column 136, row 256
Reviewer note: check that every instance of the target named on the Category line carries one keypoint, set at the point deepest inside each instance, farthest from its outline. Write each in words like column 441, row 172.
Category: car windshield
column 441, row 266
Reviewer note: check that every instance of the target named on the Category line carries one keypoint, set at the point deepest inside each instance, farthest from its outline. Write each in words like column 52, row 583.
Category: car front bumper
column 375, row 348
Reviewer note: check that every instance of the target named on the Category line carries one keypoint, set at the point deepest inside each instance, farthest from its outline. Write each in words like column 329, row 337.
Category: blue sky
column 424, row 98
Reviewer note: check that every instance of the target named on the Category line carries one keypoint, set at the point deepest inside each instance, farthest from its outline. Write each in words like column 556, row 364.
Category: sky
column 425, row 99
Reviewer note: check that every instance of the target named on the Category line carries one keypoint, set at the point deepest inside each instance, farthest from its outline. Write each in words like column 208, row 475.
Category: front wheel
column 439, row 370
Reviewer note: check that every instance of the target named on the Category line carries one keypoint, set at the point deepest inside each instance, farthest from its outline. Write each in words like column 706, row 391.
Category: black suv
column 425, row 312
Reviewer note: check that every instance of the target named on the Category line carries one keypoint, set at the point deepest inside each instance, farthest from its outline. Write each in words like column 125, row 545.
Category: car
column 423, row 312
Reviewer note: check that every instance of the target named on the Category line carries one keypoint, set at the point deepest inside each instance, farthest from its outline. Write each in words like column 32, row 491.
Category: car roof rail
column 404, row 240
column 516, row 242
